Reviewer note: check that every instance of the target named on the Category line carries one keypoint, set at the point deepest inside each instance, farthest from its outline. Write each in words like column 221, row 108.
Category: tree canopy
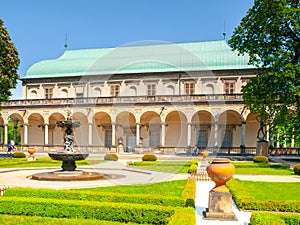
column 270, row 34
column 9, row 62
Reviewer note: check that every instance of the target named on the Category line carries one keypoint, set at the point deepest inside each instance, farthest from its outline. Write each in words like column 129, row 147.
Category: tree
column 270, row 34
column 9, row 62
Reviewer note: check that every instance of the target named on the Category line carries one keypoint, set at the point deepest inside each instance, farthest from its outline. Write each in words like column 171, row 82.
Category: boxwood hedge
column 122, row 212
column 268, row 218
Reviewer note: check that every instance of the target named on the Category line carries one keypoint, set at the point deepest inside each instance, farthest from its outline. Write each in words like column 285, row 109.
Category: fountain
column 68, row 157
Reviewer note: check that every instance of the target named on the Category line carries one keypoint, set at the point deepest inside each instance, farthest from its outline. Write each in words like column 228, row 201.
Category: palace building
column 160, row 97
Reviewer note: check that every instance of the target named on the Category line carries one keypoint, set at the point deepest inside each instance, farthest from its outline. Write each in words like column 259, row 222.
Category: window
column 229, row 87
column 108, row 138
column 227, row 140
column 151, row 89
column 189, row 88
column 48, row 93
column 202, row 138
column 154, row 139
column 114, row 89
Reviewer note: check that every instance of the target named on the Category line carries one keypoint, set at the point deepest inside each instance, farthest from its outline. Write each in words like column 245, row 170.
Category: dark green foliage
column 122, row 212
column 19, row 155
column 297, row 169
column 9, row 62
column 270, row 34
column 267, row 218
column 111, row 157
column 96, row 196
column 260, row 159
column 149, row 157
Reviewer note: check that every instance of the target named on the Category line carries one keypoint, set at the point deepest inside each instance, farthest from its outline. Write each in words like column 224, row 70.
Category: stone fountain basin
column 62, row 156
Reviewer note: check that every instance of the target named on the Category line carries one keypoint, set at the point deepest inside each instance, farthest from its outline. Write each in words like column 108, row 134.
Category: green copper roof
column 198, row 56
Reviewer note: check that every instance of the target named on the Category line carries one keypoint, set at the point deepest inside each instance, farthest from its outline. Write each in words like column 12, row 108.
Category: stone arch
column 132, row 91
column 126, row 129
column 230, row 129
column 252, row 127
column 176, row 130
column 150, row 135
column 170, row 90
column 81, row 133
column 36, row 129
column 64, row 93
column 202, row 129
column 15, row 131
column 56, row 134
column 102, row 129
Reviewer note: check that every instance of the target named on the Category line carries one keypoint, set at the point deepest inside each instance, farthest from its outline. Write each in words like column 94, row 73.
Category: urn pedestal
column 220, row 199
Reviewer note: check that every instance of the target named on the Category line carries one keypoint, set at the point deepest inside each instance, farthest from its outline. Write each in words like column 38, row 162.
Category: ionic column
column 137, row 134
column 46, row 134
column 90, row 134
column 5, row 134
column 25, row 134
column 113, row 134
column 163, row 133
column 189, row 132
column 243, row 133
column 15, row 131
column 1, row 135
column 216, row 130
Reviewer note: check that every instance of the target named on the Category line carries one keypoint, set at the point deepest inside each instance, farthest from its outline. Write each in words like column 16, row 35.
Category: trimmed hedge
column 184, row 216
column 268, row 218
column 261, row 159
column 121, row 212
column 189, row 192
column 111, row 157
column 100, row 196
column 149, row 157
column 297, row 169
column 19, row 155
column 37, row 220
column 246, row 202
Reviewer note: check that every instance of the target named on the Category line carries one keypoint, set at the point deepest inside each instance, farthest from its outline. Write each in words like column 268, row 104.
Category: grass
column 267, row 190
column 164, row 166
column 169, row 188
column 261, row 168
column 40, row 162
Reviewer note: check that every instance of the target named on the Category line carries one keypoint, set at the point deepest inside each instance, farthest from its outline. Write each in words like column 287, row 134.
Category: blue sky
column 38, row 27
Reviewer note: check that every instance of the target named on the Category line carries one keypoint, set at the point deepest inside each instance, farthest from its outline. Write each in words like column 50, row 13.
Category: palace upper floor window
column 114, row 90
column 229, row 86
column 189, row 87
column 48, row 92
column 151, row 89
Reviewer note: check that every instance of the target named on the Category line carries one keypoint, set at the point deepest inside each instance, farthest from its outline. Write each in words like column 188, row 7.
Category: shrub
column 149, row 157
column 193, row 168
column 111, row 157
column 268, row 218
column 189, row 192
column 297, row 169
column 19, row 155
column 260, row 159
column 122, row 212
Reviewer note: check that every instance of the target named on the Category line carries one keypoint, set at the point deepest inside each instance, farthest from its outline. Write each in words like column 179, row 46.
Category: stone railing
column 126, row 100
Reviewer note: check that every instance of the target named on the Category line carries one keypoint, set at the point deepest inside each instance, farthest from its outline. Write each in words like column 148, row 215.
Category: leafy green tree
column 270, row 34
column 9, row 62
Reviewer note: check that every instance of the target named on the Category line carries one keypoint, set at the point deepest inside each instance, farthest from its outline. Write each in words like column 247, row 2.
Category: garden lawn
column 269, row 190
column 40, row 162
column 261, row 168
column 169, row 188
column 164, row 166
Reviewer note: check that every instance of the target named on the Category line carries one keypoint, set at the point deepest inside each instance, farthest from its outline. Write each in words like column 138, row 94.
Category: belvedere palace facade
column 163, row 97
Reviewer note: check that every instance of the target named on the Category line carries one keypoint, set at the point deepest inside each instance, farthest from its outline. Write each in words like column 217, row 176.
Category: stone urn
column 31, row 151
column 204, row 153
column 220, row 171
